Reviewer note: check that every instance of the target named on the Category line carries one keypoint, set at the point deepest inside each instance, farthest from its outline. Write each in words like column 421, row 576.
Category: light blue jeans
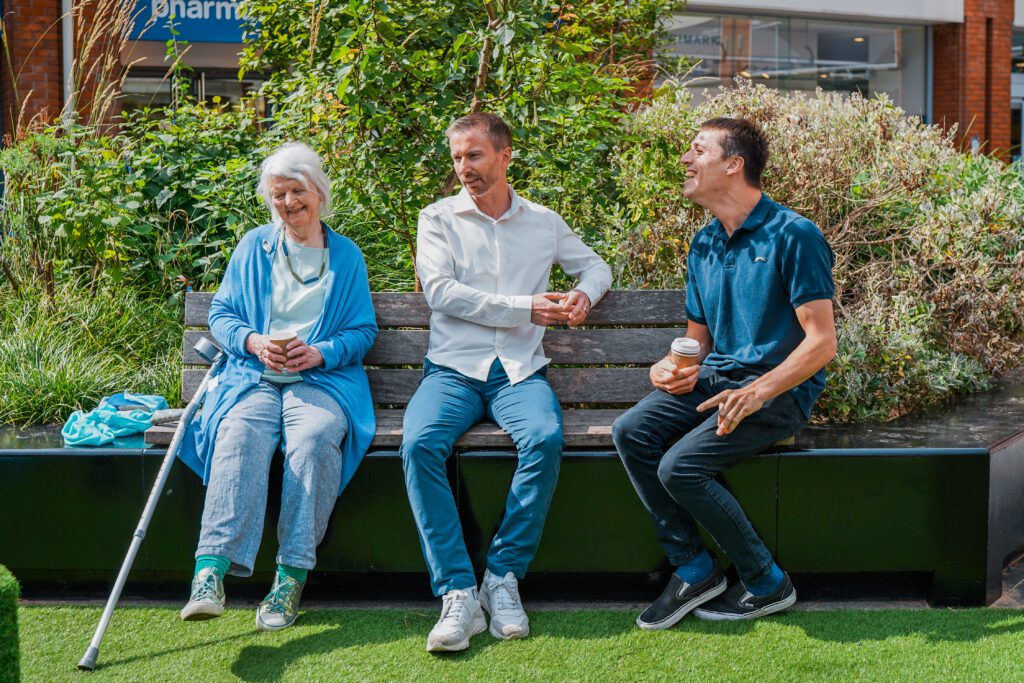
column 446, row 404
column 310, row 426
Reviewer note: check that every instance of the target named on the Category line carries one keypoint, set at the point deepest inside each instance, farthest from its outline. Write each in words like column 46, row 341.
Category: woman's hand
column 302, row 357
column 259, row 345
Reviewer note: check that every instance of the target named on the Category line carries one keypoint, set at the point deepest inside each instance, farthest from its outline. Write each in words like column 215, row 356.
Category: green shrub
column 64, row 353
column 160, row 198
column 9, row 652
column 373, row 87
column 928, row 241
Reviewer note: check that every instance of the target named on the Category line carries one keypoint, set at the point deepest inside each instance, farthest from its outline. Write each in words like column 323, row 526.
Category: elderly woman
column 295, row 277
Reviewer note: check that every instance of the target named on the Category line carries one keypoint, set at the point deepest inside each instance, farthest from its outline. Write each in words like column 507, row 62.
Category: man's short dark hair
column 492, row 125
column 742, row 138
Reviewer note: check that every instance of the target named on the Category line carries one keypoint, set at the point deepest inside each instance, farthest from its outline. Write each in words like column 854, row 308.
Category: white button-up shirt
column 479, row 275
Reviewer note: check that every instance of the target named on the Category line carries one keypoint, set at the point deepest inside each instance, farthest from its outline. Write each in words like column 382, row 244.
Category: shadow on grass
column 270, row 662
column 168, row 651
column 858, row 626
column 938, row 625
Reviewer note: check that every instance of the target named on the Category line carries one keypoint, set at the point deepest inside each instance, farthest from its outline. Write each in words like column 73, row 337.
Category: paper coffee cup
column 281, row 340
column 685, row 352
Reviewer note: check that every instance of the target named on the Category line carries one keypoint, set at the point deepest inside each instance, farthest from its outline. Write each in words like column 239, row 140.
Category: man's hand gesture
column 578, row 304
column 549, row 309
column 733, row 405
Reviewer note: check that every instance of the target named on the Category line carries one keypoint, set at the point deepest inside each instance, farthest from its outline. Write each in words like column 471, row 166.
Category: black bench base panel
column 825, row 513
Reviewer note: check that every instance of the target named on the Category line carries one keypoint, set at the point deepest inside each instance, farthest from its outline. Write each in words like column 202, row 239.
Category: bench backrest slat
column 627, row 328
column 409, row 309
column 562, row 346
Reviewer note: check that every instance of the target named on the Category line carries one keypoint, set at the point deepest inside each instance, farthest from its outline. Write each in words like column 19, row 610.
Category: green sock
column 218, row 563
column 294, row 572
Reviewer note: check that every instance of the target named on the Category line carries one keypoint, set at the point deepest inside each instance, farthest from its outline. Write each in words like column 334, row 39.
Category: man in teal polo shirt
column 759, row 302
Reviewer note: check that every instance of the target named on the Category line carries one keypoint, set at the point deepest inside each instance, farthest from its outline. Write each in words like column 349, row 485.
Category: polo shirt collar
column 465, row 203
column 758, row 214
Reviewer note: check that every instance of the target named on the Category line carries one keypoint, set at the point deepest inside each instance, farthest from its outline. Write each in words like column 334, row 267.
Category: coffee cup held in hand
column 685, row 352
column 280, row 340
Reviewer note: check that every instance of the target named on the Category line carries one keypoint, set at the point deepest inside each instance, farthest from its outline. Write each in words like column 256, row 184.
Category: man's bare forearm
column 812, row 354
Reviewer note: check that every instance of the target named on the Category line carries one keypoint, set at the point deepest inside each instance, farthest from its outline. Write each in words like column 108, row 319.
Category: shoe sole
column 477, row 628
column 498, row 634
column 202, row 613
column 774, row 607
column 263, row 626
column 674, row 618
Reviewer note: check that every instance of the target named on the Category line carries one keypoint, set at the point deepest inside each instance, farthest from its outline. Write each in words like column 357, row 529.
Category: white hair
column 295, row 161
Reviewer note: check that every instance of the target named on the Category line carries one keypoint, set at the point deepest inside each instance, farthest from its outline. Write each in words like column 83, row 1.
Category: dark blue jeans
column 672, row 456
column 446, row 404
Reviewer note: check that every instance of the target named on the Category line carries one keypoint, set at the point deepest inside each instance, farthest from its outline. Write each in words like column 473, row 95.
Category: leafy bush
column 373, row 86
column 929, row 248
column 63, row 354
column 9, row 651
column 162, row 197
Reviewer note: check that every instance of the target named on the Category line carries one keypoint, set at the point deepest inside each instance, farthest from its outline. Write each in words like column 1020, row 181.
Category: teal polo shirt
column 745, row 288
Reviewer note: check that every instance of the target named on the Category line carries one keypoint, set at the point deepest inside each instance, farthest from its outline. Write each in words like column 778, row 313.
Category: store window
column 1017, row 95
column 798, row 54
column 143, row 90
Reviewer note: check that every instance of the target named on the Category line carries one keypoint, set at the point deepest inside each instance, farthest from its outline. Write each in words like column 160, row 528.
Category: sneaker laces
column 280, row 596
column 506, row 596
column 207, row 589
column 454, row 605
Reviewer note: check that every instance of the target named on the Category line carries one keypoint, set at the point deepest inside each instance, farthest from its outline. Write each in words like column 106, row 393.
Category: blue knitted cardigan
column 343, row 333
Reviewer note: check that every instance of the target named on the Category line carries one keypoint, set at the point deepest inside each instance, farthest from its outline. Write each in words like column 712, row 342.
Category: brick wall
column 971, row 74
column 33, row 33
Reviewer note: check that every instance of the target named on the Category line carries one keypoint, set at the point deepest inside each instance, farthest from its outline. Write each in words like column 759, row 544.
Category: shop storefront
column 802, row 54
column 212, row 30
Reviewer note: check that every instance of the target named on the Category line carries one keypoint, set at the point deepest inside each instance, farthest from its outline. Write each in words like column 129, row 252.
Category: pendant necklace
column 291, row 268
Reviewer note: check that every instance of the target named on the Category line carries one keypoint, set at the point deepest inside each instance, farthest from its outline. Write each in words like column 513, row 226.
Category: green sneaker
column 207, row 598
column 280, row 608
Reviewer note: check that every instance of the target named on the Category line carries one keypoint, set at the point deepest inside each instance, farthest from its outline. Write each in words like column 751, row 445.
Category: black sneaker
column 678, row 598
column 738, row 603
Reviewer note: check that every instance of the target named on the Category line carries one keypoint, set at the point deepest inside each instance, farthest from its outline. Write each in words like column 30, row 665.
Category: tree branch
column 493, row 22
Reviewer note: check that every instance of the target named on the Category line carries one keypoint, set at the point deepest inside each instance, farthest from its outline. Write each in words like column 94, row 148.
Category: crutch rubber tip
column 88, row 662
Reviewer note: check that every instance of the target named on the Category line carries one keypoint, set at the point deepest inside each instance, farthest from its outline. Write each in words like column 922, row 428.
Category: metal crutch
column 210, row 352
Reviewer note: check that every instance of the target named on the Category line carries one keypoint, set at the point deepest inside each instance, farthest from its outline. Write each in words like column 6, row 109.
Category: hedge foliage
column 930, row 264
column 928, row 241
column 9, row 649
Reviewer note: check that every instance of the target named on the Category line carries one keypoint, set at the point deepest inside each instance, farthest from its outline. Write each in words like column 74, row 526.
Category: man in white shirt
column 484, row 259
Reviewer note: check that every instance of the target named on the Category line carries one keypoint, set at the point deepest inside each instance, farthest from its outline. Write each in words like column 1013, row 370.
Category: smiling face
column 480, row 167
column 708, row 171
column 298, row 205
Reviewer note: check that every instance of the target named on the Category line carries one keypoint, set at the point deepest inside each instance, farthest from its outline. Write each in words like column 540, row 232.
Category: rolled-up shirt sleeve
column 435, row 265
column 581, row 262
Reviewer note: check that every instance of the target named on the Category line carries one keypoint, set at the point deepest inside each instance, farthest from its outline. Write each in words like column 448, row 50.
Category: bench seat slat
column 562, row 346
column 409, row 309
column 583, row 428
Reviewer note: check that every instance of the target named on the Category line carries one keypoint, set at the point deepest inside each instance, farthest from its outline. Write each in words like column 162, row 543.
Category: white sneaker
column 500, row 597
column 461, row 619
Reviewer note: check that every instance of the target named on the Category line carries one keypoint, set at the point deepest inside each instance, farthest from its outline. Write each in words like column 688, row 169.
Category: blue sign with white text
column 196, row 21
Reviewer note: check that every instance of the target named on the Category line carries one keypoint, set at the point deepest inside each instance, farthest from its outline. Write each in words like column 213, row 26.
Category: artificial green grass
column 9, row 591
column 152, row 644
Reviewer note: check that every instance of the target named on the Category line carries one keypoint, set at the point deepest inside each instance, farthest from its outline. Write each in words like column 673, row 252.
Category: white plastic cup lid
column 685, row 346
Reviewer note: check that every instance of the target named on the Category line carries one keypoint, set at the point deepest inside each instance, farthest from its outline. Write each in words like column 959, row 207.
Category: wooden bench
column 926, row 506
column 597, row 370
